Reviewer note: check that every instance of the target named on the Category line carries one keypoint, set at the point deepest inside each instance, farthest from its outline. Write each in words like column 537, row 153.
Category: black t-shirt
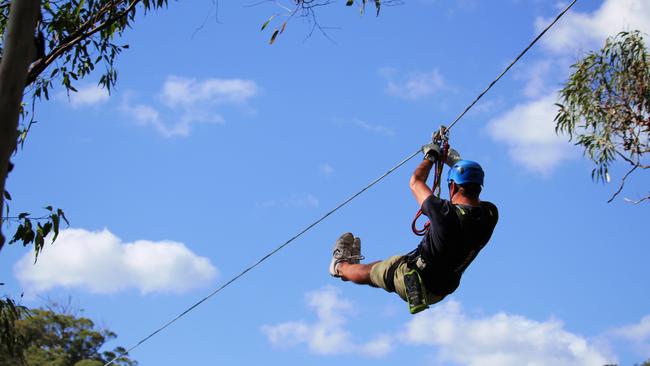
column 453, row 240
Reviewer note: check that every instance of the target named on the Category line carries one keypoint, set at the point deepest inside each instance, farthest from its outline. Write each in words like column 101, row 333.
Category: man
column 459, row 229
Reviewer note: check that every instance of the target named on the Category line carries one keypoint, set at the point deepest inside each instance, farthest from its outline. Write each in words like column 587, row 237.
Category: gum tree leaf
column 275, row 34
column 267, row 22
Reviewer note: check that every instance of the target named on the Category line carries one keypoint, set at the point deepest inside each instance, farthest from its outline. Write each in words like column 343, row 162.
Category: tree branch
column 620, row 188
column 632, row 162
column 82, row 33
column 647, row 198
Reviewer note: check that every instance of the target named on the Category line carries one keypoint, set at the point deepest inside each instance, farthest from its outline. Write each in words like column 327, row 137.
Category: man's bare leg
column 357, row 273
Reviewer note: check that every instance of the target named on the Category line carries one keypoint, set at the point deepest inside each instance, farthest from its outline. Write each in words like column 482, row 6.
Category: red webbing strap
column 438, row 167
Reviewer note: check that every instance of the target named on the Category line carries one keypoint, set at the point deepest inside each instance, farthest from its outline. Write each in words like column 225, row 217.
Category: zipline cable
column 267, row 256
column 339, row 206
column 511, row 64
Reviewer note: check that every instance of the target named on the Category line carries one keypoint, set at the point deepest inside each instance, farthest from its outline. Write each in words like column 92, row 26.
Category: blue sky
column 216, row 147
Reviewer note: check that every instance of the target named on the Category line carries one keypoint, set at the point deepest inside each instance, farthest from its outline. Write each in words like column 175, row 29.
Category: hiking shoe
column 341, row 252
column 355, row 255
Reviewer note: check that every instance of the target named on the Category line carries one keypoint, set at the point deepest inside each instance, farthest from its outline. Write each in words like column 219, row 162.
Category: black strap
column 409, row 259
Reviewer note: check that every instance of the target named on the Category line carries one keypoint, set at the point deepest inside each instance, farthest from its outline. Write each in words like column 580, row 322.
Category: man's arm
column 418, row 182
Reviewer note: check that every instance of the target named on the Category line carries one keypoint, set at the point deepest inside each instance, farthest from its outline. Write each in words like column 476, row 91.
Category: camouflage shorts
column 380, row 272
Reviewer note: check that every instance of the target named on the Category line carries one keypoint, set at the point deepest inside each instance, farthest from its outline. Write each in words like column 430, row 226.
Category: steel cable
column 511, row 64
column 339, row 206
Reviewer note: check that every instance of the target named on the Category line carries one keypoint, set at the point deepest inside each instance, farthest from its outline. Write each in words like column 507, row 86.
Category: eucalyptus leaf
column 267, row 22
column 275, row 34
column 604, row 106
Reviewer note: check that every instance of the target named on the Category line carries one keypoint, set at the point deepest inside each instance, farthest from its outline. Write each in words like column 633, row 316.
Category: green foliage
column 605, row 104
column 80, row 34
column 89, row 363
column 26, row 232
column 11, row 341
column 73, row 38
column 49, row 337
column 35, row 230
column 76, row 37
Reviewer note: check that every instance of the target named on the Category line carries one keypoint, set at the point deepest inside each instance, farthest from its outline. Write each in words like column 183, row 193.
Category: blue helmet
column 466, row 171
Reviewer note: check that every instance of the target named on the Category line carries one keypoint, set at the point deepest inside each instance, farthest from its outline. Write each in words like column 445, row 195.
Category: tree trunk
column 18, row 54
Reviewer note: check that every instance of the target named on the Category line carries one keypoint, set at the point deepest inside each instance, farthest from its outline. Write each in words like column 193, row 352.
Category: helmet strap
column 455, row 191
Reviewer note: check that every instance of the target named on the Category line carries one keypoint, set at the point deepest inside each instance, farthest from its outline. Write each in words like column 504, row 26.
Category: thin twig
column 18, row 218
column 620, row 188
column 205, row 21
column 632, row 162
column 647, row 198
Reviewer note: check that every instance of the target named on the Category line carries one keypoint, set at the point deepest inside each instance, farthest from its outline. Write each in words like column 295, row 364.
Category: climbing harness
column 440, row 138
column 416, row 290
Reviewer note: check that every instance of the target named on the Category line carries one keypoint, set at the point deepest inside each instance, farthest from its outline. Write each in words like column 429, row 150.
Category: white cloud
column 453, row 336
column 486, row 106
column 529, row 131
column 326, row 169
column 186, row 92
column 414, row 85
column 528, row 128
column 145, row 114
column 584, row 31
column 364, row 125
column 382, row 130
column 537, row 77
column 499, row 340
column 296, row 201
column 327, row 335
column 185, row 102
column 88, row 95
column 304, row 201
column 148, row 115
column 638, row 334
column 100, row 262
